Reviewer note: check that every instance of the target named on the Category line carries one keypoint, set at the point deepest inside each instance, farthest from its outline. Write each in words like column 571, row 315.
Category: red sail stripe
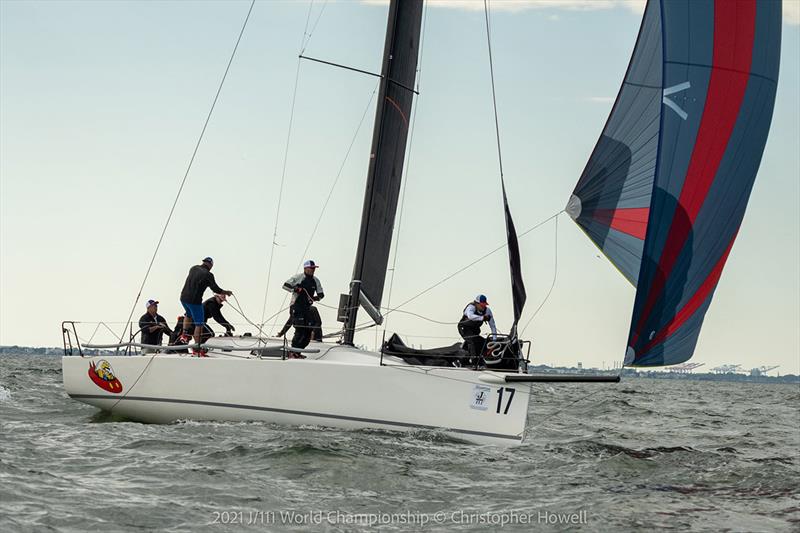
column 696, row 301
column 630, row 220
column 734, row 33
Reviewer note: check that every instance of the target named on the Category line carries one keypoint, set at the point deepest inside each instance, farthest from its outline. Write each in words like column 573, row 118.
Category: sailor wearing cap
column 153, row 326
column 307, row 289
column 469, row 327
column 197, row 281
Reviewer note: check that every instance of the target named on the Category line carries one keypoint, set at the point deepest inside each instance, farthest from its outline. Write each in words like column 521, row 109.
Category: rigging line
column 459, row 271
column 428, row 319
column 111, row 409
column 96, row 328
column 552, row 285
column 494, row 96
column 408, row 161
column 305, row 28
column 478, row 260
column 303, row 42
column 336, row 180
column 340, row 171
column 561, row 409
column 189, row 166
column 307, row 36
column 507, row 213
column 397, row 310
column 362, row 71
column 238, row 309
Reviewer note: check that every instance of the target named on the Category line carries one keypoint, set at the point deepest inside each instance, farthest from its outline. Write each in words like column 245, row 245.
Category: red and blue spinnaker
column 665, row 189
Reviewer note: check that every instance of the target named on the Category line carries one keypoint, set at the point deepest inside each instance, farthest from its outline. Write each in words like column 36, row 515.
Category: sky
column 102, row 104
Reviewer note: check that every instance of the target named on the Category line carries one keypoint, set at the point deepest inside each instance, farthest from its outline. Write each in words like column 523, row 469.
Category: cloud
column 791, row 8
column 791, row 12
column 524, row 5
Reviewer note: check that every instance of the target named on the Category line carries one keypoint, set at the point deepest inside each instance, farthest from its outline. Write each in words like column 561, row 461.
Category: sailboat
column 663, row 195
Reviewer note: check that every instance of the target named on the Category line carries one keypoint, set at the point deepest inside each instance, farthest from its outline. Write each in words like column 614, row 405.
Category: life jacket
column 303, row 300
column 466, row 322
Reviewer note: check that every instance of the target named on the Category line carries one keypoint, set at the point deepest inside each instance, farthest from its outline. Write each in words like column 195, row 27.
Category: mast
column 390, row 134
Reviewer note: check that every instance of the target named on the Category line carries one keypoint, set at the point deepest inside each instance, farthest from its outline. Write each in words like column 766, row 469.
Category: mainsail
column 395, row 97
column 666, row 188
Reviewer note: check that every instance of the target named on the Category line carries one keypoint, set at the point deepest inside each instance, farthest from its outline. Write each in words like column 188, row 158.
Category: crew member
column 315, row 322
column 199, row 279
column 177, row 335
column 212, row 308
column 469, row 327
column 307, row 289
column 153, row 326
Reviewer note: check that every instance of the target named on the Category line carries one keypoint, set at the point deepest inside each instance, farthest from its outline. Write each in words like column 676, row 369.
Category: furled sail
column 719, row 64
column 518, row 294
column 395, row 97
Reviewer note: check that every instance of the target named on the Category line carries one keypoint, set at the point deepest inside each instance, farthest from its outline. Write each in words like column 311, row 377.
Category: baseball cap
column 208, row 260
column 310, row 264
column 148, row 303
column 481, row 299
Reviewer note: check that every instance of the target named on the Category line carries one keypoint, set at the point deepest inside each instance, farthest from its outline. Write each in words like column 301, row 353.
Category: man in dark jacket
column 212, row 308
column 307, row 289
column 316, row 322
column 199, row 279
column 153, row 326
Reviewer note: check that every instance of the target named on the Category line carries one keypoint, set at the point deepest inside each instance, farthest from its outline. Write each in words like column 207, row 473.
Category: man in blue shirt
column 199, row 279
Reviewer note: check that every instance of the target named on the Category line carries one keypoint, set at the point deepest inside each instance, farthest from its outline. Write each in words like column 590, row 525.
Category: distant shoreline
column 633, row 373
column 629, row 373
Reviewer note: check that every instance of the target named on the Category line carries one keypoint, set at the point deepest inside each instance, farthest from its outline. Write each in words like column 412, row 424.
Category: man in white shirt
column 469, row 327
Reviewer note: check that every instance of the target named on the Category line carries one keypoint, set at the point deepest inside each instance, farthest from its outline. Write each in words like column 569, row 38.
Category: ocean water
column 640, row 455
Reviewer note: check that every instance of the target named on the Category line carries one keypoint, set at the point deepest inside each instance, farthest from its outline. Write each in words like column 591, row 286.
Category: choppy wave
column 680, row 455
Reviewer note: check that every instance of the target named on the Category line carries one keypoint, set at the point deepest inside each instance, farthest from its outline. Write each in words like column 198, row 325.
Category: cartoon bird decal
column 103, row 376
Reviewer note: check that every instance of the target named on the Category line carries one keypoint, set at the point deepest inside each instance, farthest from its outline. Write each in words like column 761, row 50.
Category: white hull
column 339, row 387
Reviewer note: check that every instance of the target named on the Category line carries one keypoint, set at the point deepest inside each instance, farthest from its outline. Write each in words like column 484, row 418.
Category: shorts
column 195, row 312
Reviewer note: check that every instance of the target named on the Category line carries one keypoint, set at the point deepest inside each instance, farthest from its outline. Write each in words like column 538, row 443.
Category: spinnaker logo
column 103, row 376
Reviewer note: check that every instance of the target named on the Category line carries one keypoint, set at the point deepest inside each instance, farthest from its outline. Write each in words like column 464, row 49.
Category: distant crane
column 762, row 370
column 726, row 369
column 685, row 368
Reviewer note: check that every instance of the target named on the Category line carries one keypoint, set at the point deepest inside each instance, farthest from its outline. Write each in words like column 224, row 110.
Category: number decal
column 510, row 392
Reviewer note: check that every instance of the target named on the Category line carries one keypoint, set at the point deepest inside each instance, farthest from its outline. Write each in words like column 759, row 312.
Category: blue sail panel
column 720, row 77
column 612, row 198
